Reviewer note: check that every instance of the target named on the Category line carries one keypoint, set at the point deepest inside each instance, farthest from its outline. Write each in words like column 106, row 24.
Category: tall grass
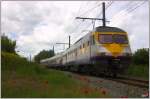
column 23, row 79
column 140, row 71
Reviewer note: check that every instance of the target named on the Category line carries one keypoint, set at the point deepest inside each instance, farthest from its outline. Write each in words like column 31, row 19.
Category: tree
column 43, row 54
column 141, row 56
column 7, row 45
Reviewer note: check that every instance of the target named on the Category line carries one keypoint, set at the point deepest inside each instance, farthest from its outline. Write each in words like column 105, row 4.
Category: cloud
column 136, row 23
column 37, row 25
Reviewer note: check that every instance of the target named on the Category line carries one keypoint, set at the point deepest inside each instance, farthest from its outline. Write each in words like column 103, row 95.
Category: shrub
column 43, row 54
column 7, row 45
column 141, row 56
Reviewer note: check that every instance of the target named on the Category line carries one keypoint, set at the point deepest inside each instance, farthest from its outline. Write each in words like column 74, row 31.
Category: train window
column 80, row 47
column 105, row 38
column 83, row 45
column 120, row 39
column 80, row 51
column 88, row 43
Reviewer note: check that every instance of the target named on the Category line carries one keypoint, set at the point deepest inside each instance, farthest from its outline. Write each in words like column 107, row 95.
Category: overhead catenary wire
column 128, row 8
column 88, row 11
column 78, row 25
column 109, row 4
column 137, row 6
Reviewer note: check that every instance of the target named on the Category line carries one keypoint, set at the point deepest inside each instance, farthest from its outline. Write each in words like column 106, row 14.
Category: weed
column 22, row 79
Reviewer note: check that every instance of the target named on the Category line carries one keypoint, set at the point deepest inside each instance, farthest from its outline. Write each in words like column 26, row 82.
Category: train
column 103, row 50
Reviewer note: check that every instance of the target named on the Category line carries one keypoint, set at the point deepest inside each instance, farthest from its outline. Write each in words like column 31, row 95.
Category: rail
column 132, row 81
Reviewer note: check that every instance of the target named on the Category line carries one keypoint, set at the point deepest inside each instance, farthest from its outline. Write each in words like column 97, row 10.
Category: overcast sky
column 38, row 25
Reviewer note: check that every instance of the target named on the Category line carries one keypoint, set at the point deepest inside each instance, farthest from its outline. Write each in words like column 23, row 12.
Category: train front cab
column 113, row 53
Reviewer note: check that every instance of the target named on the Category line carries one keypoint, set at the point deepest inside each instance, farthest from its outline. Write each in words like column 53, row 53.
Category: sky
column 39, row 25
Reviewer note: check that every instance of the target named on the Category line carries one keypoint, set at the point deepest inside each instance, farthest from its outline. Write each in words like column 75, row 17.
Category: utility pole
column 95, row 19
column 63, row 44
column 30, row 57
column 104, row 21
column 69, row 41
column 66, row 43
column 53, row 47
column 53, row 50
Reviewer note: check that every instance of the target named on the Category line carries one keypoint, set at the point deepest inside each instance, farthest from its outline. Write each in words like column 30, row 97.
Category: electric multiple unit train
column 103, row 50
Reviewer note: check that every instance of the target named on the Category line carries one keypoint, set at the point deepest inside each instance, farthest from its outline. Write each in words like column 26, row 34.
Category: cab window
column 105, row 38
column 113, row 38
column 122, row 39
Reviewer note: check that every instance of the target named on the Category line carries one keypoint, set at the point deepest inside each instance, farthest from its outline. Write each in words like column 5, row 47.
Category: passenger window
column 88, row 43
column 83, row 45
column 80, row 47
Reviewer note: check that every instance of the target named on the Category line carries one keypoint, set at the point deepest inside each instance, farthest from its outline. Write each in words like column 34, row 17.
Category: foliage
column 141, row 56
column 43, row 54
column 140, row 71
column 140, row 64
column 23, row 79
column 7, row 44
column 12, row 62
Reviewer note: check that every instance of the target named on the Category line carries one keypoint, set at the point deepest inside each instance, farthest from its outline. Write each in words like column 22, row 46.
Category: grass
column 140, row 71
column 22, row 79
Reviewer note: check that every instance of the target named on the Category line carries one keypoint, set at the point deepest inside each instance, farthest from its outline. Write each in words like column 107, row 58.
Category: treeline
column 139, row 57
column 43, row 55
column 7, row 45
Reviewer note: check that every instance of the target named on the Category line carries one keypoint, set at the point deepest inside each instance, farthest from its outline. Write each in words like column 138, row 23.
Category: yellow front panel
column 114, row 48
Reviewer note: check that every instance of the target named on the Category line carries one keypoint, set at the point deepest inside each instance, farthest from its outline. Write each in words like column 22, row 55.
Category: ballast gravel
column 112, row 88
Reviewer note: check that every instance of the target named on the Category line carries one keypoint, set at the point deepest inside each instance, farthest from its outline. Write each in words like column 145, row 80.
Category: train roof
column 108, row 29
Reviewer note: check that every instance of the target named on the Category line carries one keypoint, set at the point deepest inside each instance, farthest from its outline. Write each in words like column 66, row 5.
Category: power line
column 133, row 7
column 130, row 8
column 82, row 14
column 90, row 10
column 79, row 8
column 136, row 7
column 111, row 2
column 74, row 18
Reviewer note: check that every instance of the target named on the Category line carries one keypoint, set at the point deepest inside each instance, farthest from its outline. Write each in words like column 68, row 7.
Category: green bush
column 140, row 71
column 141, row 56
column 43, row 54
column 12, row 62
column 7, row 45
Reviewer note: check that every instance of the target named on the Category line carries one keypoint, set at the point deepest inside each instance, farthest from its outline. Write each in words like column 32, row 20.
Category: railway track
column 123, row 79
column 127, row 80
column 116, row 87
column 132, row 81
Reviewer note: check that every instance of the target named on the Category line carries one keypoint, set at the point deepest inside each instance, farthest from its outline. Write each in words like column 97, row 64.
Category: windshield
column 120, row 39
column 115, row 38
column 105, row 38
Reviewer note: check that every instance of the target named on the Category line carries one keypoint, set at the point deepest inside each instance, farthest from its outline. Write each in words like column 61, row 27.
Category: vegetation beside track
column 22, row 79
column 139, row 71
column 140, row 64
